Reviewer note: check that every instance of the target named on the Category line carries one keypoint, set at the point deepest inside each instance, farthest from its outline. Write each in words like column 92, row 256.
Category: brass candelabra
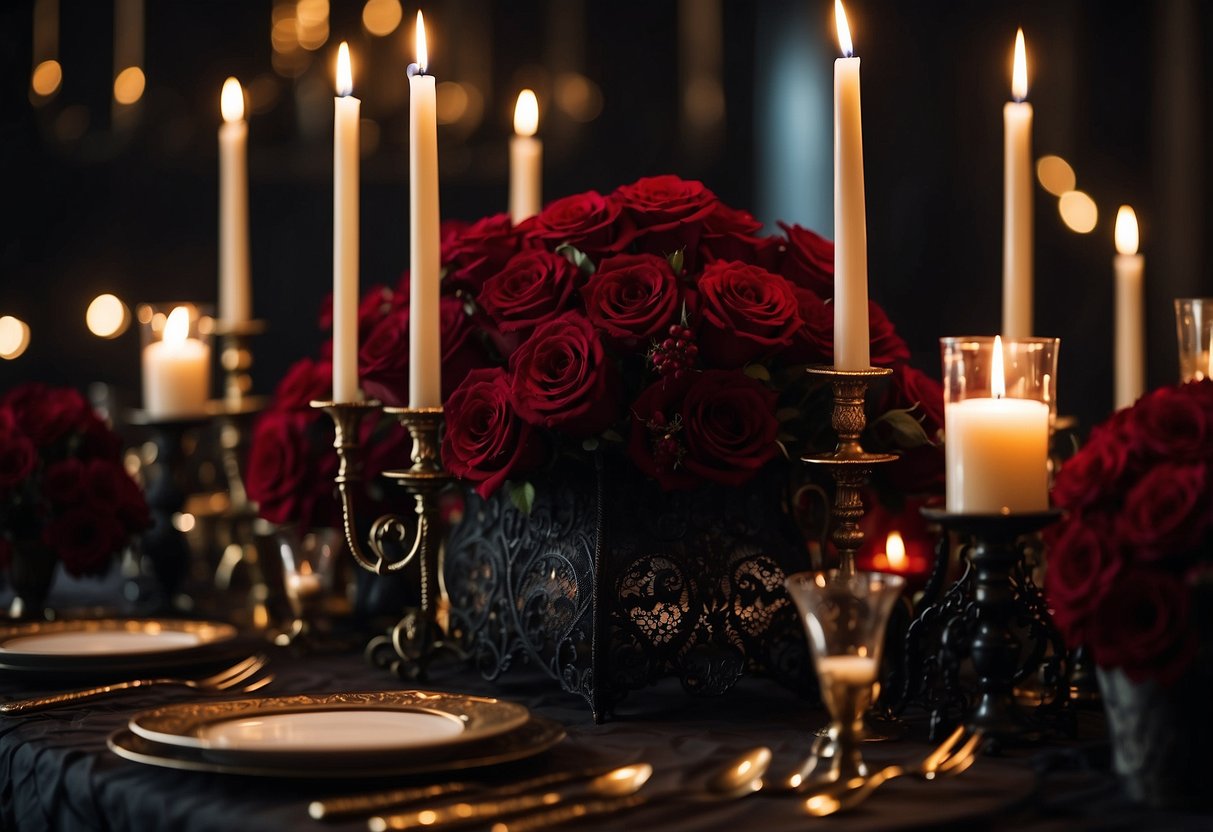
column 395, row 541
column 849, row 464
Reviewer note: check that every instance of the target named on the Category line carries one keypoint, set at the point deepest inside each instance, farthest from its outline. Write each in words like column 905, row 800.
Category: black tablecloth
column 56, row 772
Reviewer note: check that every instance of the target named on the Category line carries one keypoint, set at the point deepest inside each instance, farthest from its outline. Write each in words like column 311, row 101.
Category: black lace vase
column 610, row 584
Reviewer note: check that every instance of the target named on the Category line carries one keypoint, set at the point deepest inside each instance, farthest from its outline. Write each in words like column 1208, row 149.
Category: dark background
column 97, row 201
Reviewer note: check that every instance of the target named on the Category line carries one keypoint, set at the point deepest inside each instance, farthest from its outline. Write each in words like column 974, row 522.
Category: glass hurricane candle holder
column 1194, row 327
column 316, row 583
column 1000, row 402
column 176, row 360
column 845, row 617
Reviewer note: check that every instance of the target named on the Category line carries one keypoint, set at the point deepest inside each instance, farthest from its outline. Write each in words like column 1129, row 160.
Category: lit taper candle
column 850, row 216
column 526, row 160
column 345, row 232
column 1130, row 342
column 235, row 294
column 425, row 340
column 1017, row 202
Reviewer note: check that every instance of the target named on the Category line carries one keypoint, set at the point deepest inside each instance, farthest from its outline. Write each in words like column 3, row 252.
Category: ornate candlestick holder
column 849, row 464
column 995, row 616
column 393, row 543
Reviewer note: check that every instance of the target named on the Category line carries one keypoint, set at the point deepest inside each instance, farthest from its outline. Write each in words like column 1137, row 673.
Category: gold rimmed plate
column 109, row 645
column 318, row 728
column 533, row 737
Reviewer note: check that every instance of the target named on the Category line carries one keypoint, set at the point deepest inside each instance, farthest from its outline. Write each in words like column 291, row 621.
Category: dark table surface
column 56, row 772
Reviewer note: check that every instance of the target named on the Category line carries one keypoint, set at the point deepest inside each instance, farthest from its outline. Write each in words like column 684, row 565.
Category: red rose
column 18, row 456
column 1174, row 423
column 732, row 234
column 383, row 359
column 96, row 440
column 813, row 341
column 590, row 222
column 716, row 426
column 286, row 483
column 535, row 286
column 747, row 313
column 631, row 298
column 1143, row 626
column 563, row 380
column 1167, row 511
column 474, row 253
column 809, row 260
column 63, row 482
column 47, row 414
column 887, row 348
column 305, row 382
column 668, row 212
column 1093, row 474
column 84, row 539
column 372, row 308
column 486, row 442
column 919, row 470
column 1082, row 566
column 462, row 349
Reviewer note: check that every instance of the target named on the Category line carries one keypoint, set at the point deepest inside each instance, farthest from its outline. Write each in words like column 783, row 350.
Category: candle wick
column 415, row 70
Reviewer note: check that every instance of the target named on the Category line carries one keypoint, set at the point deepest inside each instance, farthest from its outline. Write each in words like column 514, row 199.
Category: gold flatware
column 737, row 778
column 339, row 808
column 618, row 782
column 227, row 679
column 942, row 762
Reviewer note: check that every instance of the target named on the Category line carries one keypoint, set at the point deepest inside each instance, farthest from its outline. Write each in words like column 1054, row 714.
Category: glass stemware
column 845, row 617
column 1194, row 328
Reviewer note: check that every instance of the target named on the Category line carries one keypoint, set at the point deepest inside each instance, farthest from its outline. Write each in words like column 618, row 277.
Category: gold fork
column 944, row 761
column 224, row 680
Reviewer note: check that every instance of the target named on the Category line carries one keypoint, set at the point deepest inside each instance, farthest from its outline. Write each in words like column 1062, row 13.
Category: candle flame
column 998, row 379
column 844, row 31
column 526, row 114
column 231, row 102
column 177, row 327
column 1019, row 69
column 345, row 75
column 1126, row 231
column 895, row 551
column 423, row 55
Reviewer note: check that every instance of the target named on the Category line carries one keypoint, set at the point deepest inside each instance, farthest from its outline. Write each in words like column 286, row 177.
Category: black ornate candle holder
column 849, row 464
column 394, row 542
column 995, row 617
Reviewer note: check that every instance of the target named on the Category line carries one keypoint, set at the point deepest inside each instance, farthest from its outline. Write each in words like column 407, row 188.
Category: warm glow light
column 1078, row 212
column 47, row 77
column 128, row 86
column 231, row 102
column 526, row 114
column 177, row 327
column 578, row 96
column 844, row 31
column 1126, row 231
column 345, row 75
column 312, row 23
column 998, row 378
column 895, row 551
column 107, row 316
column 1019, row 70
column 423, row 55
column 14, row 337
column 381, row 17
column 1055, row 175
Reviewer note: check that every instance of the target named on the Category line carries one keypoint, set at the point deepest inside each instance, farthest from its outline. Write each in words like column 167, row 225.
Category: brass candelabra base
column 849, row 464
column 394, row 541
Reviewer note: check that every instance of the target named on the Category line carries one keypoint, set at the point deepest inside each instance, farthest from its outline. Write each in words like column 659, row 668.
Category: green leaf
column 577, row 257
column 522, row 495
column 677, row 260
column 757, row 371
column 590, row 444
column 612, row 435
column 907, row 431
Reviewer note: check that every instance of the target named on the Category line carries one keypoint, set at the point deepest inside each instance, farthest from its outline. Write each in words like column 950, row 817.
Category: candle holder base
column 995, row 618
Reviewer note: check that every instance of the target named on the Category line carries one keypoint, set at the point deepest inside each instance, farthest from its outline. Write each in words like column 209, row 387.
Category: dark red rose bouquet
column 62, row 484
column 1136, row 546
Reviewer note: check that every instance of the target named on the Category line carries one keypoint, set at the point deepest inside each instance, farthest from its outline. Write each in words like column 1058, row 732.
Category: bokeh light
column 1055, row 175
column 1078, row 212
column 14, row 337
column 578, row 96
column 129, row 85
column 107, row 316
column 381, row 17
column 46, row 79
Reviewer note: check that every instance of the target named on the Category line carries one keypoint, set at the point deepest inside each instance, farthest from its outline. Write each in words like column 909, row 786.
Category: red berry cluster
column 675, row 354
column 667, row 450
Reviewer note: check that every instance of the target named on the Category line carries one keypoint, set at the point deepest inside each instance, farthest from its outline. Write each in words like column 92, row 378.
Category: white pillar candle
column 345, row 233
column 425, row 340
column 176, row 371
column 850, row 217
column 235, row 294
column 1017, row 203
column 526, row 160
column 996, row 451
column 848, row 670
column 1129, row 346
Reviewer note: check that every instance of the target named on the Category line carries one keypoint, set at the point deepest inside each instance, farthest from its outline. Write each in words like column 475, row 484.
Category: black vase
column 31, row 572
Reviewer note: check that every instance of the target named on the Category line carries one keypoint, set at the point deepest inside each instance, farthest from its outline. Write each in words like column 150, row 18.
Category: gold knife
column 619, row 782
column 569, row 812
